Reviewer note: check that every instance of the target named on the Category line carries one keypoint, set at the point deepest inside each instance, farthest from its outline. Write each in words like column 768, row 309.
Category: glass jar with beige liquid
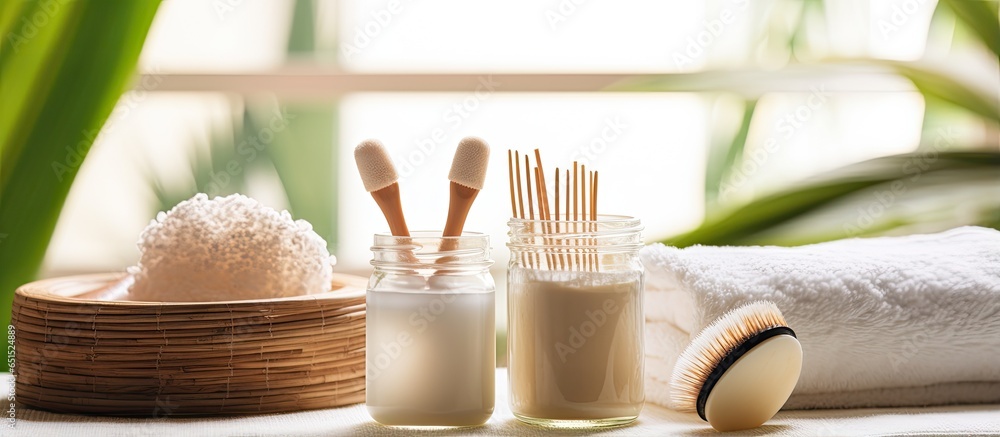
column 575, row 321
column 431, row 332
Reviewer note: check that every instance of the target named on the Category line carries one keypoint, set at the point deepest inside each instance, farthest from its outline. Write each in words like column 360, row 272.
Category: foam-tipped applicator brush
column 379, row 177
column 740, row 370
column 468, row 172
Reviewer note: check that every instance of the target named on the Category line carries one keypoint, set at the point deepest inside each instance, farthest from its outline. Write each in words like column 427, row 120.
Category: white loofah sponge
column 228, row 248
column 469, row 165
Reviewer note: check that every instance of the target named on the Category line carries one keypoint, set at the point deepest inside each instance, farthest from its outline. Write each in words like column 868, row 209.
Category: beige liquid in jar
column 576, row 350
column 431, row 358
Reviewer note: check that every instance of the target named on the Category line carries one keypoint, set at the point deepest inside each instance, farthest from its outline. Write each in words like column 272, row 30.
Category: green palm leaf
column 981, row 18
column 59, row 86
column 743, row 224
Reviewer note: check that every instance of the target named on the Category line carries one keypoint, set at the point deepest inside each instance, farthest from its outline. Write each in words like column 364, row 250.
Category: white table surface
column 654, row 421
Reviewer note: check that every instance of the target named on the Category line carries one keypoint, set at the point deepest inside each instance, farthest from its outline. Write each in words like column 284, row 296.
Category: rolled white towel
column 892, row 321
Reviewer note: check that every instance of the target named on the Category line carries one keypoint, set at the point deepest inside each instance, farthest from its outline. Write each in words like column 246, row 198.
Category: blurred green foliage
column 63, row 67
column 916, row 192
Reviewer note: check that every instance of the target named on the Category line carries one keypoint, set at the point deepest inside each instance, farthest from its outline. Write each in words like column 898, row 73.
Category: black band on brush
column 731, row 358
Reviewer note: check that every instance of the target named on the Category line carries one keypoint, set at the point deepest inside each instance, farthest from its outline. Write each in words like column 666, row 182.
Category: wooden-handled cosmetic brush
column 379, row 177
column 468, row 172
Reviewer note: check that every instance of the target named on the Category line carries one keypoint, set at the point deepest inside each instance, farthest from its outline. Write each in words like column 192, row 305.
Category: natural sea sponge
column 228, row 248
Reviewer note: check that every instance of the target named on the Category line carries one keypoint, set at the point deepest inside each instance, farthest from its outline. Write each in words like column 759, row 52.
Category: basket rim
column 66, row 290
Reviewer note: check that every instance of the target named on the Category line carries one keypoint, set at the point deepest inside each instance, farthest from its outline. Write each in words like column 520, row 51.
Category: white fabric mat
column 654, row 421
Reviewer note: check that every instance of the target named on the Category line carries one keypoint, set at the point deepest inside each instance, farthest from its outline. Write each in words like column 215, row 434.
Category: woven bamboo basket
column 82, row 347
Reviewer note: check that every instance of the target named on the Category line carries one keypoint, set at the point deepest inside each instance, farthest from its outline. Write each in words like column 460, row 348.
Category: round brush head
column 375, row 165
column 740, row 370
column 469, row 166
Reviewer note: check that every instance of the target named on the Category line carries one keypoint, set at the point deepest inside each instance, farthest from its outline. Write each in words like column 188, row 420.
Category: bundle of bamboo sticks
column 567, row 239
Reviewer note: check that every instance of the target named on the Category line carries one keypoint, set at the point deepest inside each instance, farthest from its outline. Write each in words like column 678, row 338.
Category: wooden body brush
column 468, row 172
column 740, row 370
column 379, row 177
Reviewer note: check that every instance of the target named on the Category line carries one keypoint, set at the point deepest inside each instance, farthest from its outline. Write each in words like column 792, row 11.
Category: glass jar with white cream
column 431, row 334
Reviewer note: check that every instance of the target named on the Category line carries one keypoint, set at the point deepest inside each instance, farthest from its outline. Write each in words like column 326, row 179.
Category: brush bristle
column 712, row 345
column 375, row 165
column 469, row 166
